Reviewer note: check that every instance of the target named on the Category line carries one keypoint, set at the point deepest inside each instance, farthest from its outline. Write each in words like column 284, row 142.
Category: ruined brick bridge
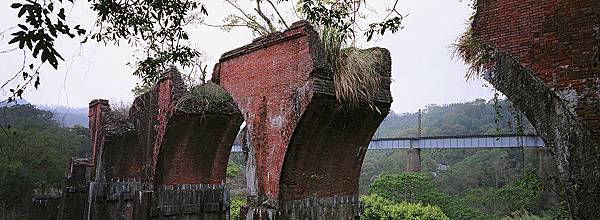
column 167, row 158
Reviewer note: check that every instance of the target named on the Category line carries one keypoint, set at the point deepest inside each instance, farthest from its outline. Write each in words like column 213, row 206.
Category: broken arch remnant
column 167, row 157
column 546, row 62
column 304, row 148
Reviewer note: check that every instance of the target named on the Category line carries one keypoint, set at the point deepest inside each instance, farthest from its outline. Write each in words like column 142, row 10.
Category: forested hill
column 35, row 152
column 65, row 116
column 469, row 118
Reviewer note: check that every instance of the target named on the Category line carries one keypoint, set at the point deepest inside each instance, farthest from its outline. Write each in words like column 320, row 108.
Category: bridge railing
column 472, row 141
column 449, row 142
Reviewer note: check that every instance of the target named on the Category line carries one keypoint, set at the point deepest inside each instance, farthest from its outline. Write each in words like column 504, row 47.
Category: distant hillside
column 469, row 118
column 64, row 115
column 5, row 103
column 68, row 116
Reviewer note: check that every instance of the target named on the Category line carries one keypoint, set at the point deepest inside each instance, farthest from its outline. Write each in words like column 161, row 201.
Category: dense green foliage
column 465, row 183
column 419, row 188
column 233, row 170
column 469, row 118
column 377, row 207
column 235, row 206
column 476, row 203
column 34, row 152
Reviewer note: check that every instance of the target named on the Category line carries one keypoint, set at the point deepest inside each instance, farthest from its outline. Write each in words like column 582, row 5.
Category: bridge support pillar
column 548, row 67
column 414, row 160
column 304, row 148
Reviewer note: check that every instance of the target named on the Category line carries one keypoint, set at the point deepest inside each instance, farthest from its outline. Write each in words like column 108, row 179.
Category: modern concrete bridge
column 449, row 142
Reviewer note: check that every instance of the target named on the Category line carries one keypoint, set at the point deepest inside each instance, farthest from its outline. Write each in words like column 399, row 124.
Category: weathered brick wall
column 267, row 84
column 78, row 172
column 116, row 153
column 150, row 115
column 166, row 159
column 143, row 116
column 547, row 62
column 557, row 40
column 97, row 111
column 301, row 143
column 196, row 149
column 187, row 147
column 122, row 156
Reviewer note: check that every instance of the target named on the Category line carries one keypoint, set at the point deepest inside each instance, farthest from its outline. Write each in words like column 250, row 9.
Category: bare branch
column 250, row 20
column 278, row 14
column 16, row 74
column 9, row 50
column 264, row 17
column 393, row 10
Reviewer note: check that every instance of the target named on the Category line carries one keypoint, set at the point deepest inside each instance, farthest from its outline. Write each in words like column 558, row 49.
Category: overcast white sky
column 423, row 71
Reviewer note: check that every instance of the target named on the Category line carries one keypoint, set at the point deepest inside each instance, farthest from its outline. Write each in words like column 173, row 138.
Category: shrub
column 419, row 188
column 377, row 207
column 232, row 170
column 235, row 205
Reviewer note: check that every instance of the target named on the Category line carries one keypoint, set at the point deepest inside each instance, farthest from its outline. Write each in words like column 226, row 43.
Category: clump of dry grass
column 206, row 98
column 478, row 56
column 355, row 79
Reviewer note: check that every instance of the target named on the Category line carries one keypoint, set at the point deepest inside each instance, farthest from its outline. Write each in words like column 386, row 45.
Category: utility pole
column 419, row 125
column 414, row 154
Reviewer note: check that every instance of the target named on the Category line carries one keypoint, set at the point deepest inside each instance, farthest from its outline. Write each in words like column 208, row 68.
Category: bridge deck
column 448, row 142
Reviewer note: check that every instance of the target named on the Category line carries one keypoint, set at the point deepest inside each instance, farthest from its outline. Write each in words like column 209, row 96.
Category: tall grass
column 478, row 56
column 355, row 79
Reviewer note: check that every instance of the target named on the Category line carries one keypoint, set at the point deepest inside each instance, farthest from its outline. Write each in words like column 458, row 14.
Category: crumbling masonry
column 167, row 157
column 547, row 62
column 304, row 149
column 164, row 159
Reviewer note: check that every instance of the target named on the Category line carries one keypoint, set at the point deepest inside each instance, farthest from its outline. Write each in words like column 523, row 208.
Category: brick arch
column 122, row 156
column 196, row 148
column 284, row 87
column 325, row 155
column 183, row 146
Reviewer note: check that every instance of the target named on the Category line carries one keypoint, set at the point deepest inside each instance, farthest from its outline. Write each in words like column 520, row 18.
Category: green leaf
column 61, row 14
column 37, row 48
column 22, row 11
column 15, row 39
column 45, row 55
column 29, row 43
